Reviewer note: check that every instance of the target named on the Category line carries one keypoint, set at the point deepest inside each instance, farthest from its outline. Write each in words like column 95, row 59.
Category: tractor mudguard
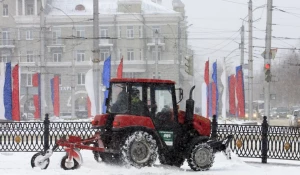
column 100, row 120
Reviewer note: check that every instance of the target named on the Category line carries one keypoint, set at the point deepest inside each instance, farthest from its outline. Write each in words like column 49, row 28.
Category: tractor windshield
column 119, row 98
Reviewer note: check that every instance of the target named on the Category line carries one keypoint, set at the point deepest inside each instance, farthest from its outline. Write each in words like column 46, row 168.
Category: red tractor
column 142, row 122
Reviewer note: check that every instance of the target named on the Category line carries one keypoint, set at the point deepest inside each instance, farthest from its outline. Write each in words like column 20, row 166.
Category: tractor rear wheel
column 139, row 149
column 201, row 157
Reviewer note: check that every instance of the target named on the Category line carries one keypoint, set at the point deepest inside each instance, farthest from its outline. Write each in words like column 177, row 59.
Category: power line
column 282, row 48
column 235, row 2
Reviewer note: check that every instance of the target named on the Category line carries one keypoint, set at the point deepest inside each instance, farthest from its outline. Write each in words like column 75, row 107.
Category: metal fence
column 262, row 141
column 29, row 136
column 252, row 141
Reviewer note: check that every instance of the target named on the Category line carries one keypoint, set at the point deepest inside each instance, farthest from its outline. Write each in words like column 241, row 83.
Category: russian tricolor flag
column 36, row 82
column 9, row 92
column 55, row 95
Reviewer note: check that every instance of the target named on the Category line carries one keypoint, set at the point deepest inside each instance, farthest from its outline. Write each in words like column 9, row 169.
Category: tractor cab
column 150, row 98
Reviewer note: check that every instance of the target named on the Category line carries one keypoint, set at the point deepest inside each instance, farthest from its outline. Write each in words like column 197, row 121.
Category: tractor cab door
column 161, row 102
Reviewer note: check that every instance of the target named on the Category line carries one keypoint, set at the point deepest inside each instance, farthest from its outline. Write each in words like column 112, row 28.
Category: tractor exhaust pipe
column 189, row 112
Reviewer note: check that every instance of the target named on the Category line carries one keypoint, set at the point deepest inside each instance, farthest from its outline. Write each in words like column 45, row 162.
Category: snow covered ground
column 19, row 163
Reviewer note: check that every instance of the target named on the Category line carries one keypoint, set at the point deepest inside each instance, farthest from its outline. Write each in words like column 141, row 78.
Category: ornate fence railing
column 262, row 141
column 29, row 136
column 252, row 141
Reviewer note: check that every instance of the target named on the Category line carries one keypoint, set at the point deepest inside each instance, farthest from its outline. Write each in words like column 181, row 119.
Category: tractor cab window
column 119, row 98
column 138, row 102
column 164, row 105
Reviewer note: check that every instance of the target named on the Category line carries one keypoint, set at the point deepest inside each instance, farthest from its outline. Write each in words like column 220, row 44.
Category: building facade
column 127, row 28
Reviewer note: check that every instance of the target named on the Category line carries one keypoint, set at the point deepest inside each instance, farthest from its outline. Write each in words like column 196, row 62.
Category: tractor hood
column 201, row 124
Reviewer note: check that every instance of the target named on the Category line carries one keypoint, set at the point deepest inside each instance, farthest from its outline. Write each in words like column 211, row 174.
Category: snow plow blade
column 222, row 145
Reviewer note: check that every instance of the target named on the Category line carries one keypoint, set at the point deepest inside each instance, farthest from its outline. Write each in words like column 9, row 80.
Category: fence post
column 264, row 147
column 46, row 132
column 214, row 128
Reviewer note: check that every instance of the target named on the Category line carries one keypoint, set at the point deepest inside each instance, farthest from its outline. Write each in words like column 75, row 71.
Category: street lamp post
column 250, row 56
column 156, row 50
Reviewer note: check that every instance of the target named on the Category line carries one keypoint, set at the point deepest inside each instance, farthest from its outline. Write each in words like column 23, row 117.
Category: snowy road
column 19, row 163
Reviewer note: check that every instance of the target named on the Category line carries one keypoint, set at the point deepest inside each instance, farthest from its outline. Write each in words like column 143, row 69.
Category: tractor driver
column 137, row 106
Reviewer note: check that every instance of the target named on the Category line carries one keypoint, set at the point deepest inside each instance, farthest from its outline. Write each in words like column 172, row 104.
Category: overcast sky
column 216, row 24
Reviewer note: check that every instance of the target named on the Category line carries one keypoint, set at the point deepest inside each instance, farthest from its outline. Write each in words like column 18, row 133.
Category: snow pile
column 17, row 163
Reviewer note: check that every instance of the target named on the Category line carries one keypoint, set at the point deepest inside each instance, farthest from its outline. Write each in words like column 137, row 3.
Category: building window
column 154, row 55
column 81, row 78
column 29, row 35
column 56, row 34
column 6, row 37
column 29, row 79
column 104, row 53
column 154, row 29
column 19, row 34
column 120, row 53
column 4, row 58
column 141, row 54
column 56, row 57
column 59, row 78
column 130, row 54
column 158, row 74
column 104, row 32
column 130, row 32
column 80, row 32
column 140, row 31
column 120, row 32
column 130, row 74
column 79, row 7
column 30, row 56
column 80, row 55
column 29, row 9
column 5, row 9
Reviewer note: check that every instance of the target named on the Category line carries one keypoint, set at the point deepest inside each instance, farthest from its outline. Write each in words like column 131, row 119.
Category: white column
column 35, row 7
column 17, row 7
column 23, row 7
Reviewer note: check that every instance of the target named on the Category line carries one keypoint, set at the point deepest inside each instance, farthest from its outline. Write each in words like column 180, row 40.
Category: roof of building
column 85, row 7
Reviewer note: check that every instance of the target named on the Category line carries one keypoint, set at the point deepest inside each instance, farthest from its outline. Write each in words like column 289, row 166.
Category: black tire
column 42, row 165
column 111, row 158
column 96, row 156
column 171, row 159
column 201, row 157
column 72, row 167
column 139, row 150
column 95, row 153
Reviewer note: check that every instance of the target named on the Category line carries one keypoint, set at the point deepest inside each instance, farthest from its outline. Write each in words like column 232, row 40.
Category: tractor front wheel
column 139, row 149
column 201, row 157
